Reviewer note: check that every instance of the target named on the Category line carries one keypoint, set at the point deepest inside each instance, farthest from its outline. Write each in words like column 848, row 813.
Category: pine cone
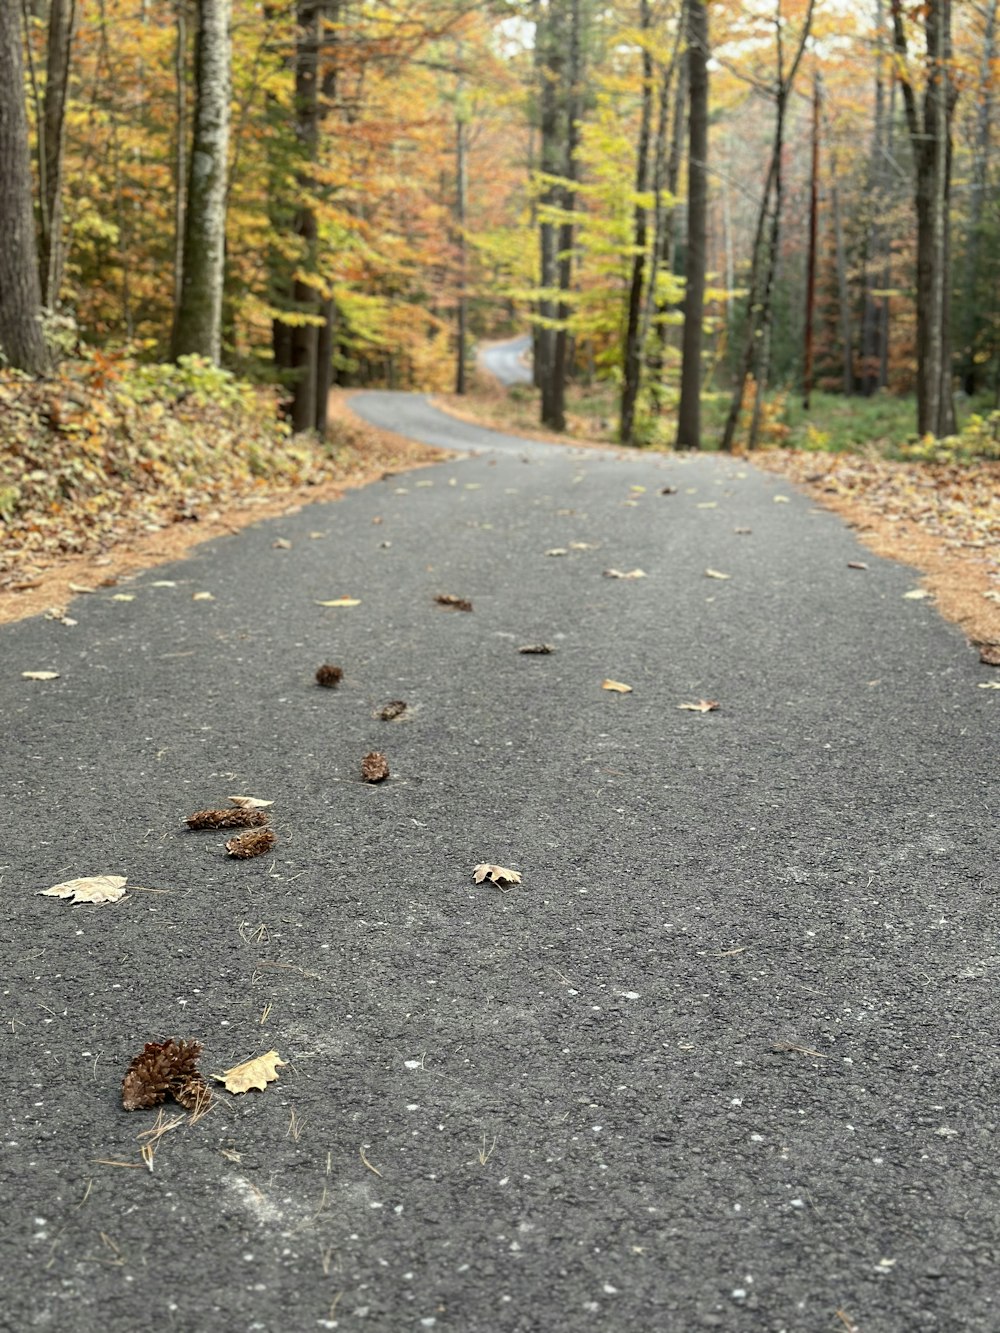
column 374, row 767
column 163, row 1069
column 239, row 816
column 329, row 676
column 254, row 843
column 392, row 710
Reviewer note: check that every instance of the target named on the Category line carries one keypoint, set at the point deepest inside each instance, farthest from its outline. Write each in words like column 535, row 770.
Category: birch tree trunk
column 21, row 339
column 689, row 409
column 198, row 319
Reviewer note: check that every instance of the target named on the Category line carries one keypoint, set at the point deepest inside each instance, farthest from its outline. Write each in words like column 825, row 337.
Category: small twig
column 847, row 1321
column 802, row 1050
column 107, row 1161
column 368, row 1164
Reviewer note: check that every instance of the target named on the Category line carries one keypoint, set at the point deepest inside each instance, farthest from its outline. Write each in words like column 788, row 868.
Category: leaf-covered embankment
column 121, row 465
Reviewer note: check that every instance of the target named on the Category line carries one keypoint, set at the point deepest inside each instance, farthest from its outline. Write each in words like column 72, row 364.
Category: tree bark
column 62, row 19
column 551, row 75
column 807, row 369
column 689, row 409
column 21, row 338
column 929, row 123
column 180, row 151
column 972, row 304
column 564, row 267
column 461, row 186
column 305, row 298
column 198, row 320
column 632, row 351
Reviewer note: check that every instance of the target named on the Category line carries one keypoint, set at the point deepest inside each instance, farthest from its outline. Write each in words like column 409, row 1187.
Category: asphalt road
column 507, row 361
column 726, row 1057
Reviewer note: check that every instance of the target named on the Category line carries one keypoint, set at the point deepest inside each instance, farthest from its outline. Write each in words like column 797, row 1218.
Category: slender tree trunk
column 180, row 151
column 972, row 303
column 461, row 186
column 843, row 290
column 62, row 18
column 305, row 298
column 198, row 320
column 21, row 338
column 561, row 346
column 632, row 352
column 807, row 370
column 548, row 38
column 661, row 213
column 689, row 409
column 325, row 337
column 929, row 126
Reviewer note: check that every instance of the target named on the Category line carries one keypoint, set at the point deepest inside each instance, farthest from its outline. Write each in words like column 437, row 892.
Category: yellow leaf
column 616, row 686
column 916, row 595
column 630, row 574
column 716, row 574
column 255, row 1073
column 93, row 889
column 781, row 499
column 498, row 875
column 203, row 597
column 342, row 601
column 40, row 675
column 123, row 597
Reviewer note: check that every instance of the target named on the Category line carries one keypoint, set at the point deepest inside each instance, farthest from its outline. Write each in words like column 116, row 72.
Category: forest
column 712, row 215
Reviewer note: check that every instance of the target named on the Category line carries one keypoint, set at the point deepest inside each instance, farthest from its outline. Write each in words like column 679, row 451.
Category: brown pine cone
column 374, row 767
column 329, row 676
column 239, row 816
column 253, row 843
column 162, row 1069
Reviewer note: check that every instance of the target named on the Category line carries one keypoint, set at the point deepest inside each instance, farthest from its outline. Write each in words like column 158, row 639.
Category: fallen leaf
column 250, row 802
column 707, row 504
column 668, row 490
column 640, row 490
column 255, row 1073
column 989, row 684
column 716, row 574
column 536, row 648
column 455, row 603
column 163, row 583
column 856, row 564
column 281, row 544
column 916, row 594
column 40, row 675
column 79, row 588
column 91, row 889
column 123, row 597
column 630, row 574
column 498, row 875
column 557, row 550
column 203, row 597
column 702, row 706
column 781, row 500
column 616, row 686
column 582, row 546
column 743, row 532
column 342, row 601
column 989, row 654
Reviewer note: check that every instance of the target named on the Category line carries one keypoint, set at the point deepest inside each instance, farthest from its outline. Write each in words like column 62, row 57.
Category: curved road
column 724, row 1059
column 508, row 361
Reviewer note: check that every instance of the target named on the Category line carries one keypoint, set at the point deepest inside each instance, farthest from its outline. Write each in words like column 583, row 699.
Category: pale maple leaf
column 498, row 875
column 91, row 889
column 255, row 1073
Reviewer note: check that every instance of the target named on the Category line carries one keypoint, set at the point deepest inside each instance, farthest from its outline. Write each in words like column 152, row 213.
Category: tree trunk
column 689, row 409
column 21, row 337
column 325, row 336
column 198, row 320
column 62, row 17
column 180, row 151
column 807, row 369
column 929, row 127
column 461, row 305
column 305, row 298
column 972, row 303
column 551, row 74
column 843, row 291
column 632, row 351
column 561, row 348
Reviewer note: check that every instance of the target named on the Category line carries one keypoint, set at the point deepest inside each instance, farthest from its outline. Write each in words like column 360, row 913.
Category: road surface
column 724, row 1059
column 508, row 361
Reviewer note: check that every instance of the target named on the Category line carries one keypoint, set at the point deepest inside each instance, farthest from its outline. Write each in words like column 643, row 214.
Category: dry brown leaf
column 616, row 686
column 498, row 875
column 342, row 601
column 668, row 490
column 702, row 706
column 90, row 889
column 743, row 532
column 630, row 574
column 536, row 648
column 255, row 1073
column 716, row 574
column 250, row 802
column 281, row 544
column 989, row 654
column 455, row 603
column 389, row 712
column 40, row 675
column 856, row 564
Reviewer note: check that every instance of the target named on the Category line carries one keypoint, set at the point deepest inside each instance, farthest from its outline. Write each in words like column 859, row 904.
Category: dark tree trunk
column 632, row 352
column 972, row 304
column 550, row 54
column 561, row 349
column 807, row 369
column 689, row 409
column 325, row 335
column 62, row 17
column 305, row 298
column 461, row 305
column 21, row 338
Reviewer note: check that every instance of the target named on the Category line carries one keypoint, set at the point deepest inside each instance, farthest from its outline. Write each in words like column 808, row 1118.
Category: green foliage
column 192, row 377
column 979, row 438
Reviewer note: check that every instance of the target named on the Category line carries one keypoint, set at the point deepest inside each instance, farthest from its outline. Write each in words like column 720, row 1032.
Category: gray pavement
column 725, row 1059
column 508, row 361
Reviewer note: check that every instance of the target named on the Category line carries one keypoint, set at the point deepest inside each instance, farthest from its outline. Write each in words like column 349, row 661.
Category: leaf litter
column 256, row 1073
column 498, row 875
